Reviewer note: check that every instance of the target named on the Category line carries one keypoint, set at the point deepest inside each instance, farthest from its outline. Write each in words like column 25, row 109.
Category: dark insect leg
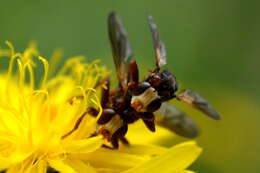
column 124, row 141
column 150, row 125
column 106, row 116
column 146, row 115
column 105, row 93
column 154, row 105
column 115, row 143
column 93, row 112
column 93, row 135
column 76, row 126
column 51, row 170
column 120, row 133
column 148, row 119
column 108, row 147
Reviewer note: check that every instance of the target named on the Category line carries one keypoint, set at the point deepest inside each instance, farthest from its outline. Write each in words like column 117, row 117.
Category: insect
column 134, row 99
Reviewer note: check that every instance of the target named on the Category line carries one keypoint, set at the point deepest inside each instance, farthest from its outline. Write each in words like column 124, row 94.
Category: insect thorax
column 164, row 83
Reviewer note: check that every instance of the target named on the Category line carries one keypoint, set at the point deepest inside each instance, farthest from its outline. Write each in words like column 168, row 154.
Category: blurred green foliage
column 213, row 47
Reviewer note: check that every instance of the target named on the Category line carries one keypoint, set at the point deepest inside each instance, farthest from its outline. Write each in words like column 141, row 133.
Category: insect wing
column 121, row 48
column 159, row 47
column 176, row 121
column 198, row 102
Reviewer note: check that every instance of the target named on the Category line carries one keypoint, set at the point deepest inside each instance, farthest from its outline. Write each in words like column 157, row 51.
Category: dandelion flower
column 44, row 127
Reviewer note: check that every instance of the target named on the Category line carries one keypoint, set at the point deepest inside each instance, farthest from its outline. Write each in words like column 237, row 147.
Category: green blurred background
column 213, row 47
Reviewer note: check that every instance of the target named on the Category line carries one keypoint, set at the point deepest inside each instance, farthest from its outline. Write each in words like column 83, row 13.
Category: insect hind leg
column 115, row 143
column 118, row 135
column 124, row 141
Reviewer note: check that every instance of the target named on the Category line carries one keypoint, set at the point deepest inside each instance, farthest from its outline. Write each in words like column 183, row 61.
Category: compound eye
column 140, row 88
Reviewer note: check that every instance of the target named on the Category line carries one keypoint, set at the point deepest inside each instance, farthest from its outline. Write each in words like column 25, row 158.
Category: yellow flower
column 45, row 125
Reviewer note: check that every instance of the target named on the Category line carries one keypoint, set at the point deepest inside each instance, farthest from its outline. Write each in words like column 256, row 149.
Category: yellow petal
column 4, row 163
column 175, row 159
column 60, row 166
column 10, row 122
column 142, row 149
column 183, row 171
column 14, row 169
column 80, row 166
column 186, row 171
column 83, row 146
column 139, row 131
column 114, row 159
column 41, row 167
column 38, row 167
column 108, row 170
column 16, row 157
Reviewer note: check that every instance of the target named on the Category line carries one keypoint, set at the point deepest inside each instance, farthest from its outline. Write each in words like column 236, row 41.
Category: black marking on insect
column 133, row 99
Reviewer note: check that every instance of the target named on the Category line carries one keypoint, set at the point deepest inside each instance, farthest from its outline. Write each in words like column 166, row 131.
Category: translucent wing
column 121, row 48
column 198, row 102
column 177, row 121
column 159, row 47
